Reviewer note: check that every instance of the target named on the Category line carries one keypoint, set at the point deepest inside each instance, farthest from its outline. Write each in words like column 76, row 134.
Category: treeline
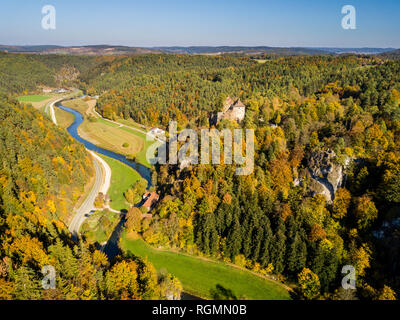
column 152, row 89
column 42, row 174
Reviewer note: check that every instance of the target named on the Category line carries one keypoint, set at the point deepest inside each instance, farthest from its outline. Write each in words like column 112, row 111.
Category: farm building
column 156, row 132
column 150, row 199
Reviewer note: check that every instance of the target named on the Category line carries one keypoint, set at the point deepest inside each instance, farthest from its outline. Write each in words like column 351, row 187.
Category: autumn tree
column 386, row 294
column 171, row 288
column 129, row 196
column 133, row 220
column 99, row 201
column 121, row 281
column 341, row 203
column 135, row 194
column 309, row 284
column 6, row 289
column 365, row 212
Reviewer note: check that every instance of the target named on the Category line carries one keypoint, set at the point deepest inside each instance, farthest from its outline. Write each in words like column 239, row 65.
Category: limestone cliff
column 325, row 175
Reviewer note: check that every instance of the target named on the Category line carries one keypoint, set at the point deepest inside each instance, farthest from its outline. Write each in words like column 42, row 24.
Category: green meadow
column 122, row 178
column 33, row 98
column 206, row 278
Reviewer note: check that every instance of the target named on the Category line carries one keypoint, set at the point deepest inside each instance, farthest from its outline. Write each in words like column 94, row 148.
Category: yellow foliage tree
column 309, row 284
column 387, row 294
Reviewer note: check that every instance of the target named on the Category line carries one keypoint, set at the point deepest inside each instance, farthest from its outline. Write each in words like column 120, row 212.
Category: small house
column 156, row 132
column 62, row 90
column 150, row 199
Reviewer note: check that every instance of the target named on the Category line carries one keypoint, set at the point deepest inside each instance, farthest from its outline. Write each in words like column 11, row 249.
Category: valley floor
column 205, row 278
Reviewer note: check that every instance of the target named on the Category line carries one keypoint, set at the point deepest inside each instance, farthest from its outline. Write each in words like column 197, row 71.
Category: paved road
column 52, row 113
column 101, row 184
column 49, row 109
column 106, row 173
column 88, row 204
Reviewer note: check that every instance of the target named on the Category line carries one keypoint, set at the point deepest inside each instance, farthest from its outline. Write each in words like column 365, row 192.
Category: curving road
column 49, row 109
column 101, row 184
column 88, row 204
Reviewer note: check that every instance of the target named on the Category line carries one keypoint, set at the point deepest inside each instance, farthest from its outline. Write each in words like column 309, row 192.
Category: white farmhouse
column 156, row 132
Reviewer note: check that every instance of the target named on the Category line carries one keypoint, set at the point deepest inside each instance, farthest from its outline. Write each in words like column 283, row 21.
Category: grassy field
column 132, row 123
column 108, row 135
column 33, row 98
column 37, row 101
column 99, row 226
column 207, row 279
column 122, row 178
column 111, row 138
column 78, row 105
column 64, row 118
column 141, row 155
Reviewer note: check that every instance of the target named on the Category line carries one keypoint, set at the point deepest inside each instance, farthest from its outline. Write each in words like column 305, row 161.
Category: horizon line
column 198, row 46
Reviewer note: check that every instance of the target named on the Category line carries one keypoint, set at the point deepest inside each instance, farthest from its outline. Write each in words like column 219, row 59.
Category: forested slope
column 20, row 72
column 42, row 174
column 331, row 119
column 152, row 89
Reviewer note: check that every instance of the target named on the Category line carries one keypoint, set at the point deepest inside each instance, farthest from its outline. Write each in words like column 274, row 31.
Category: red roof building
column 150, row 199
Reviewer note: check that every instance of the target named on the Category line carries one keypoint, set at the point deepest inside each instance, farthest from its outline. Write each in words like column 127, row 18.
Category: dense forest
column 152, row 89
column 26, row 73
column 314, row 117
column 325, row 191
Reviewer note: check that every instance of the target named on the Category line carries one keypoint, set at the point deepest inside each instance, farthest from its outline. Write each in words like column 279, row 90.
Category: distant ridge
column 78, row 50
column 395, row 54
column 365, row 50
column 243, row 50
column 206, row 50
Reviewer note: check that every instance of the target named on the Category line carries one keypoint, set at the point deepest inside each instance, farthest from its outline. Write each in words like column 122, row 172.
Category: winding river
column 144, row 171
column 112, row 245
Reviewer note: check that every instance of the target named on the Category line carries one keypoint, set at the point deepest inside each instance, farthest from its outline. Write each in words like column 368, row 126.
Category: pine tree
column 234, row 240
column 279, row 248
column 267, row 243
column 27, row 286
column 296, row 255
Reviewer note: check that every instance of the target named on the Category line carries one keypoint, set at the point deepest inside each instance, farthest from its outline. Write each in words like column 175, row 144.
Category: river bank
column 144, row 171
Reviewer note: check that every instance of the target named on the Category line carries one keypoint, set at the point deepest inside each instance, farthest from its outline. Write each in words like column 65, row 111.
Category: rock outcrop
column 325, row 175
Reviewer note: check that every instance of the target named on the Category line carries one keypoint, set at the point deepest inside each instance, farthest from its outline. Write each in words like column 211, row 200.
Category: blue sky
column 315, row 23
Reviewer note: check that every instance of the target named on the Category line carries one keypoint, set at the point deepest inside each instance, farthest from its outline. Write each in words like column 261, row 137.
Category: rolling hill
column 206, row 50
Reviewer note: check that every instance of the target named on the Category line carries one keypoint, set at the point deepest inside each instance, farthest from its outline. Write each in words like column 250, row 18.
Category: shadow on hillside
column 111, row 249
column 221, row 293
